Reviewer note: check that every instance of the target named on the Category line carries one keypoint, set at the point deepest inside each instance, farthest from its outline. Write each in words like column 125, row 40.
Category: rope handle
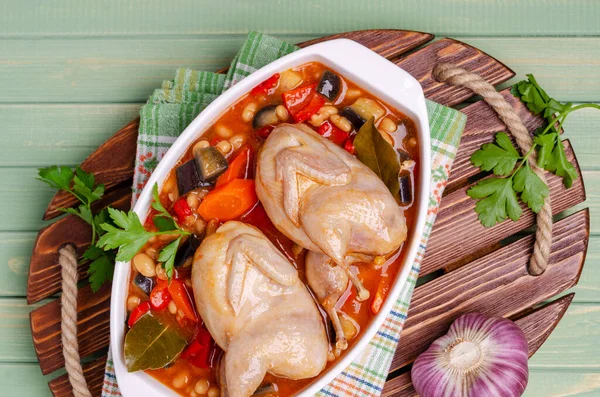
column 67, row 258
column 444, row 72
column 452, row 74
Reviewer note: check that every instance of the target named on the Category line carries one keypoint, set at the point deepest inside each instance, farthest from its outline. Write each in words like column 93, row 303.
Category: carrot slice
column 382, row 290
column 182, row 299
column 238, row 168
column 229, row 201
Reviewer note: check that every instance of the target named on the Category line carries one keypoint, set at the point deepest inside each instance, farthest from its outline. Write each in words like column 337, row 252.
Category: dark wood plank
column 112, row 163
column 420, row 65
column 44, row 272
column 94, row 376
column 457, row 217
column 389, row 43
column 537, row 326
column 497, row 285
column 93, row 334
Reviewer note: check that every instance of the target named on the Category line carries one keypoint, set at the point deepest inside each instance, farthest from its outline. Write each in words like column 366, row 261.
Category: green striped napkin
column 172, row 107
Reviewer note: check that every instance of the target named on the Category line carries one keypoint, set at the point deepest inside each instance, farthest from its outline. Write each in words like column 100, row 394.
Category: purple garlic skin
column 478, row 357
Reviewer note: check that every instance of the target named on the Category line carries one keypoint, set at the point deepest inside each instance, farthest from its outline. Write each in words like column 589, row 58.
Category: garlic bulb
column 479, row 356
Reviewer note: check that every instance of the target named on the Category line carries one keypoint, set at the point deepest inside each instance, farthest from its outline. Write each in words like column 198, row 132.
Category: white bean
column 214, row 392
column 282, row 113
column 249, row 111
column 201, row 386
column 237, row 141
column 161, row 273
column 144, row 264
column 224, row 147
column 181, row 379
column 387, row 125
column 341, row 122
column 222, row 131
column 132, row 302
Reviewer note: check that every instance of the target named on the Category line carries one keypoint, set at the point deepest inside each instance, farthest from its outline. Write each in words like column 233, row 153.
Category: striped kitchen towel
column 173, row 106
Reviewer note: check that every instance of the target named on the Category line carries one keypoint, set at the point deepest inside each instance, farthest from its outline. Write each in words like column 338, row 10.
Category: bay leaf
column 377, row 154
column 150, row 344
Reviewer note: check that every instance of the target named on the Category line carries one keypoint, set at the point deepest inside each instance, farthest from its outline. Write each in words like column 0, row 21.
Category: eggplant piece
column 265, row 116
column 144, row 283
column 403, row 156
column 188, row 178
column 266, row 390
column 330, row 85
column 405, row 189
column 210, row 163
column 353, row 117
column 187, row 250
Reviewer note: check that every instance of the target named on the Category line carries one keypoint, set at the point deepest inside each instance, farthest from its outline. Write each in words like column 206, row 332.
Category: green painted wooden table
column 73, row 72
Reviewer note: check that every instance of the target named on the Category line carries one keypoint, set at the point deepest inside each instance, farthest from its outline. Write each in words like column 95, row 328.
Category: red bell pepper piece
column 265, row 131
column 267, row 87
column 159, row 296
column 199, row 351
column 181, row 298
column 138, row 312
column 349, row 146
column 332, row 133
column 303, row 102
column 313, row 106
column 294, row 100
column 181, row 209
column 238, row 168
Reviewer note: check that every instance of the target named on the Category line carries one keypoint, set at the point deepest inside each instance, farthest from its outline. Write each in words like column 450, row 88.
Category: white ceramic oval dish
column 369, row 71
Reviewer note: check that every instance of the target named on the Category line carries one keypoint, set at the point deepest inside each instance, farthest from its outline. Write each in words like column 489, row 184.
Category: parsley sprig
column 82, row 185
column 116, row 235
column 498, row 197
column 128, row 235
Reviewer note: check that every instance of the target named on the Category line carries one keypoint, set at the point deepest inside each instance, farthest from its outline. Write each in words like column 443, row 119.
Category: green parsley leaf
column 500, row 157
column 551, row 153
column 561, row 166
column 82, row 211
column 546, row 143
column 163, row 223
column 167, row 256
column 555, row 107
column 87, row 178
column 100, row 218
column 497, row 200
column 531, row 94
column 81, row 188
column 101, row 266
column 533, row 190
column 129, row 239
column 157, row 205
column 57, row 177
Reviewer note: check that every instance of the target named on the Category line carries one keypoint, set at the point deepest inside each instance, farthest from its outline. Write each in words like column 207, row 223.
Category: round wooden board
column 468, row 268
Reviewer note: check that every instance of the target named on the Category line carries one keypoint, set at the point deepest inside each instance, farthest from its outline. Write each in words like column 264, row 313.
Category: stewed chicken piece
column 328, row 202
column 328, row 281
column 257, row 310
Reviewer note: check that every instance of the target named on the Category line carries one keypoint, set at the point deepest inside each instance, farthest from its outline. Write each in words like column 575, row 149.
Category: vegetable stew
column 214, row 183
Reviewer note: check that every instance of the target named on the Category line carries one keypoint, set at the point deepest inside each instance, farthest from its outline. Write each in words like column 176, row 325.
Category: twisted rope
column 449, row 73
column 68, row 326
